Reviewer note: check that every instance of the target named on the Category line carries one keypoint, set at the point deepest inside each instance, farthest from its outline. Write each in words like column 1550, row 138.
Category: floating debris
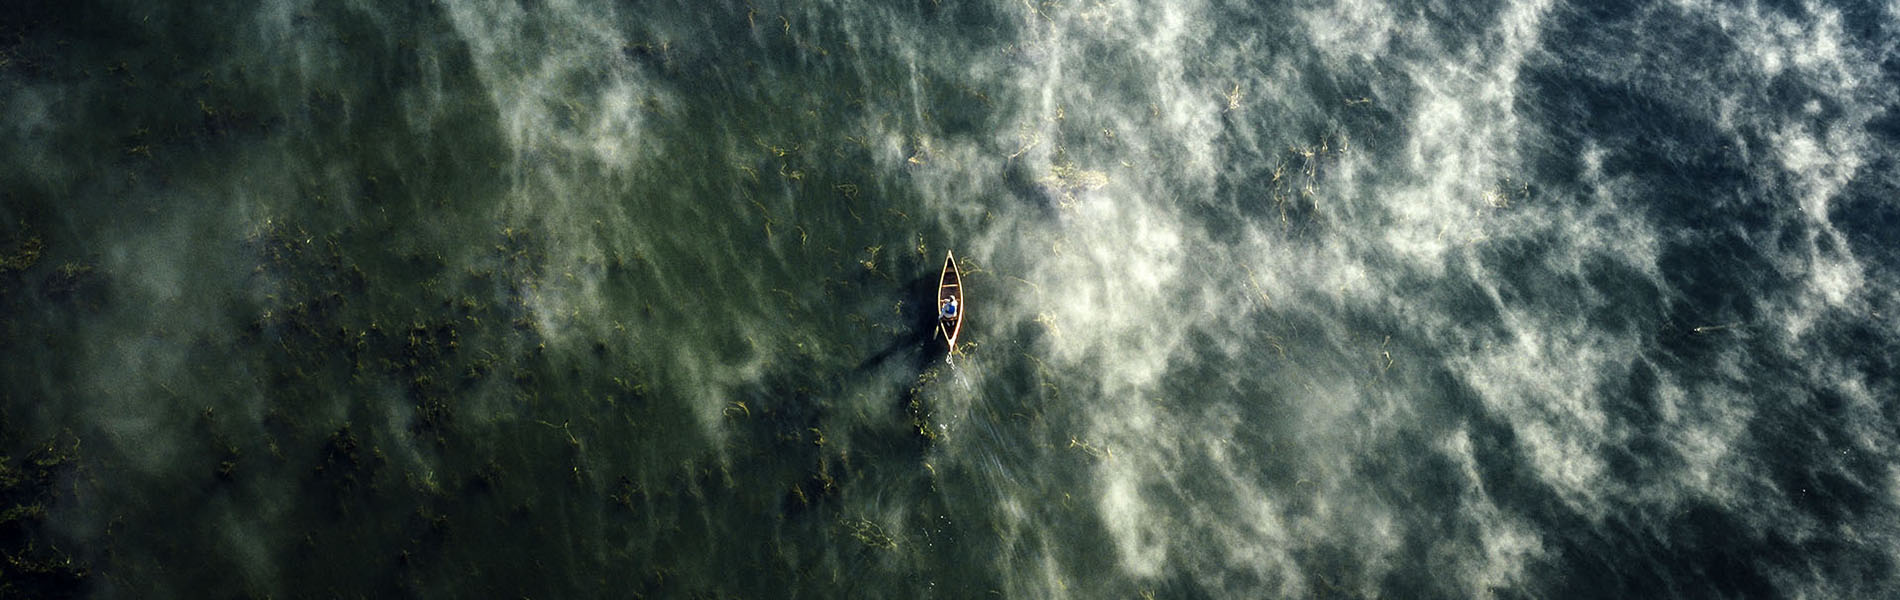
column 869, row 534
column 1066, row 181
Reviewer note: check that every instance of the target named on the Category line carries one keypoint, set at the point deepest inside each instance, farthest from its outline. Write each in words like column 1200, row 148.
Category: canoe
column 950, row 307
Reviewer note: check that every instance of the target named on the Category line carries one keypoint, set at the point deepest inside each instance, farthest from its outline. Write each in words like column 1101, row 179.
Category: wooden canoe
column 950, row 289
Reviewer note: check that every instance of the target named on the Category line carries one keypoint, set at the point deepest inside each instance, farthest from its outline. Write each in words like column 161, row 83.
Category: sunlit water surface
column 605, row 299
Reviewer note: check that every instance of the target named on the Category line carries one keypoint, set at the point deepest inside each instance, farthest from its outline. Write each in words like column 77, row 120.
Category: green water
column 478, row 300
column 584, row 299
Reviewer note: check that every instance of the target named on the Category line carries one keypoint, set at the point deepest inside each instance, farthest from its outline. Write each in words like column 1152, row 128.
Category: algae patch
column 23, row 257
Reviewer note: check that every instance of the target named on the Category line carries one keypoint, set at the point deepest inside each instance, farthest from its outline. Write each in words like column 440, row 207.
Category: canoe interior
column 951, row 286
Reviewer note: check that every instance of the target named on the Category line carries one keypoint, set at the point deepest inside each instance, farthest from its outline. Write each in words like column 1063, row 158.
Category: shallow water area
column 571, row 298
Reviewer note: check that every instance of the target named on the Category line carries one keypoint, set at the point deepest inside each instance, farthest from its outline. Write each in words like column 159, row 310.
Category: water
column 575, row 299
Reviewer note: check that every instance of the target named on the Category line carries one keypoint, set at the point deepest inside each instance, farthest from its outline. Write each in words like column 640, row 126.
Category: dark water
column 587, row 299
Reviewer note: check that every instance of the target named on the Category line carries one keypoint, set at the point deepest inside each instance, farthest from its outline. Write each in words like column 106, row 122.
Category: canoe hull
column 950, row 287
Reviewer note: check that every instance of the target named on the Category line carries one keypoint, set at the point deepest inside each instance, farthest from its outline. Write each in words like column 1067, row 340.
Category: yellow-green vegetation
column 1266, row 300
column 870, row 260
column 919, row 412
column 737, row 410
column 23, row 257
column 1048, row 323
column 1101, row 453
column 869, row 534
column 72, row 281
column 1030, row 139
column 1307, row 160
column 27, row 486
column 1067, row 180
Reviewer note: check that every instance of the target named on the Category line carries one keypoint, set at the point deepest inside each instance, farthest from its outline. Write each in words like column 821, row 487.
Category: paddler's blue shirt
column 950, row 309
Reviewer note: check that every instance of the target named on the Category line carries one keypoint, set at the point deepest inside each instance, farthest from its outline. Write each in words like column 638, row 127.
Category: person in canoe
column 950, row 301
